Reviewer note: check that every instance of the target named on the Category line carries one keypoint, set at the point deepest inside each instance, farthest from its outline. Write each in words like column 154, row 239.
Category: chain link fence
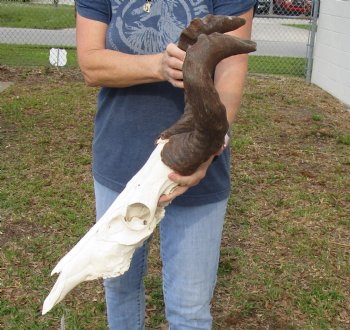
column 39, row 32
column 285, row 34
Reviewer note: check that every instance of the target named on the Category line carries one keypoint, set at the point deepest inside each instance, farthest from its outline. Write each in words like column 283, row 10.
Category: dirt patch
column 39, row 75
column 15, row 231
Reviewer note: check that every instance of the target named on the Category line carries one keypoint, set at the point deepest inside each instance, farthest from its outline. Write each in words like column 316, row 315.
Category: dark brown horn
column 208, row 25
column 201, row 130
column 188, row 37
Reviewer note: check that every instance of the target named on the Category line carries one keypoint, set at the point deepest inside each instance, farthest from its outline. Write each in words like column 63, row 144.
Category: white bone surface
column 107, row 248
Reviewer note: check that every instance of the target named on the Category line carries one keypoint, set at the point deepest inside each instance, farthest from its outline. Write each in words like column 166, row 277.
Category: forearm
column 230, row 74
column 109, row 68
column 229, row 81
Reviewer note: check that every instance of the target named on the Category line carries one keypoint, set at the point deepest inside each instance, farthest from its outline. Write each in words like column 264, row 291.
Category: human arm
column 110, row 68
column 230, row 73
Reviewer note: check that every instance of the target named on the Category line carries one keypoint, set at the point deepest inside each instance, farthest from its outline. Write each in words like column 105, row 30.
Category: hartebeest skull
column 107, row 248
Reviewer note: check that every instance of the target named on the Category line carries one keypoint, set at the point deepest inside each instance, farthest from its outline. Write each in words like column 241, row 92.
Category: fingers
column 175, row 77
column 172, row 64
column 185, row 182
column 175, row 193
column 175, row 51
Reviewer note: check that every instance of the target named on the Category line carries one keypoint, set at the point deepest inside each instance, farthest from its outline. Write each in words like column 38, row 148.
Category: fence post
column 311, row 41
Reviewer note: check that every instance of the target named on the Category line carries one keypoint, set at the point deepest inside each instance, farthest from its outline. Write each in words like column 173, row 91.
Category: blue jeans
column 190, row 240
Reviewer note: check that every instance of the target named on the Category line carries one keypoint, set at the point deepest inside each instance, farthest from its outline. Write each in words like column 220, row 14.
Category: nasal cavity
column 137, row 214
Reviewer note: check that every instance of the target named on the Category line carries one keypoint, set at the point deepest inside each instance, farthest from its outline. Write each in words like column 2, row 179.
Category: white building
column 331, row 65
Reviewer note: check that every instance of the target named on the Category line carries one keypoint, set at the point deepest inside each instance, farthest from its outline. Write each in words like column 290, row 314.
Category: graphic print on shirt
column 132, row 30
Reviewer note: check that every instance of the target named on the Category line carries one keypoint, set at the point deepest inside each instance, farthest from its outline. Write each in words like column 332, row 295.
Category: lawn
column 285, row 257
column 31, row 55
column 300, row 26
column 23, row 15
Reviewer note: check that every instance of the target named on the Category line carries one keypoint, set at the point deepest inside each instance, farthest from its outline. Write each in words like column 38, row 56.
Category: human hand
column 171, row 65
column 185, row 182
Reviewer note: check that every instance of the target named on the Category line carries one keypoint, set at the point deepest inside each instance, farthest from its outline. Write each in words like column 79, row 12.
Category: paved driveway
column 275, row 38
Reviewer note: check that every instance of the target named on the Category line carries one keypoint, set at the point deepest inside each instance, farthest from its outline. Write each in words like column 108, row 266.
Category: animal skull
column 107, row 248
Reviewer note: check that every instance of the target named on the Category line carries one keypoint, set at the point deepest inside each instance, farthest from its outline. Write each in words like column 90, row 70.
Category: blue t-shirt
column 129, row 120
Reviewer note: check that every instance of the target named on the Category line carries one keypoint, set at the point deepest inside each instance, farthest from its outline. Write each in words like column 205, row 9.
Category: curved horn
column 201, row 130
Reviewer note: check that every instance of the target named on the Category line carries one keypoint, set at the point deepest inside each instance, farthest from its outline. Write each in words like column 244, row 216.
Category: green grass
column 299, row 26
column 277, row 65
column 31, row 55
column 285, row 251
column 344, row 139
column 20, row 15
column 317, row 117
